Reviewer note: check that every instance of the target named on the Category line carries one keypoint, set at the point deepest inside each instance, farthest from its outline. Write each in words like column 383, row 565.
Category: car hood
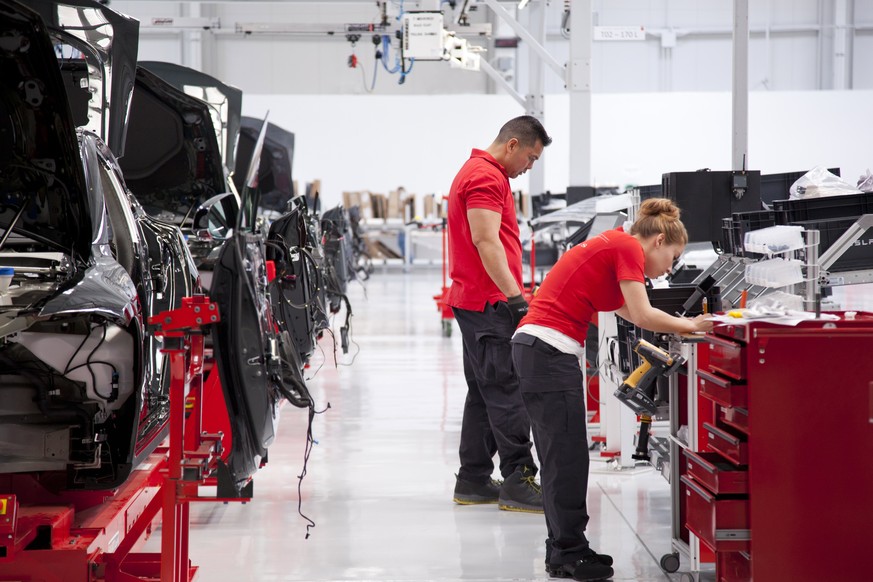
column 173, row 162
column 98, row 50
column 224, row 101
column 274, row 176
column 42, row 191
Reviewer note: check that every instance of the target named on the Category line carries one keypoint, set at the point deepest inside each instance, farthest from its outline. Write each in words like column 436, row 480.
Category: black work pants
column 553, row 388
column 495, row 420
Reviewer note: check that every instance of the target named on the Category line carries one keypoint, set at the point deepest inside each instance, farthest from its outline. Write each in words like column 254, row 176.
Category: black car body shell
column 173, row 163
column 100, row 78
column 85, row 258
column 225, row 102
column 275, row 181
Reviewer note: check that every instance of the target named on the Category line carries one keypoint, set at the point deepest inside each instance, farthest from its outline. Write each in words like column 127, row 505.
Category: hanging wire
column 364, row 76
column 310, row 442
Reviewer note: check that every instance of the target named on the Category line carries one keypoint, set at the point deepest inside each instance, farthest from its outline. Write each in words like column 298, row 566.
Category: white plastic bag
column 819, row 182
column 865, row 183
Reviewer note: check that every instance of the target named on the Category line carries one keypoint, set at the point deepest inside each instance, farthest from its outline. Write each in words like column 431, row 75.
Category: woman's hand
column 702, row 322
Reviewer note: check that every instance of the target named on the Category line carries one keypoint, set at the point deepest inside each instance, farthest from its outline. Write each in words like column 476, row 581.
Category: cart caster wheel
column 447, row 328
column 670, row 562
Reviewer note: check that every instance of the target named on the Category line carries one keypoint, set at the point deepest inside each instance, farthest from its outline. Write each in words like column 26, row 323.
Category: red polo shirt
column 586, row 280
column 481, row 183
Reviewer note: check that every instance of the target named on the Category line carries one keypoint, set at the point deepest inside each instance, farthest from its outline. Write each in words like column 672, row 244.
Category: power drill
column 637, row 391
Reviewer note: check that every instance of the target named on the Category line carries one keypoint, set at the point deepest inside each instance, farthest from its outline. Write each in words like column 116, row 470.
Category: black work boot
column 604, row 559
column 521, row 492
column 469, row 493
column 588, row 569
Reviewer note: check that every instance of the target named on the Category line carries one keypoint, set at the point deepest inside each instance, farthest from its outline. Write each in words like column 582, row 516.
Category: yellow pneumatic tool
column 638, row 390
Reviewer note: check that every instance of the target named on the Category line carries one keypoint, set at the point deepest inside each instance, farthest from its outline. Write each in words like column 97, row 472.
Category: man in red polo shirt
column 487, row 300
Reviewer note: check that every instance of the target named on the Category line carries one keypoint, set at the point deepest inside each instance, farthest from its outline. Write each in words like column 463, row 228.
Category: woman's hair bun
column 659, row 207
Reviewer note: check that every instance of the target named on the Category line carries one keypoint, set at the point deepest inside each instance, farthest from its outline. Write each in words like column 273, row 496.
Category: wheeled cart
column 685, row 433
column 783, row 398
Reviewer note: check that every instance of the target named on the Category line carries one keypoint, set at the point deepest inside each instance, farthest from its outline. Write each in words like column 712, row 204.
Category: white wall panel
column 702, row 64
column 786, row 59
column 380, row 142
column 862, row 64
column 699, row 13
column 160, row 47
column 863, row 10
column 791, row 60
column 631, row 67
column 796, row 12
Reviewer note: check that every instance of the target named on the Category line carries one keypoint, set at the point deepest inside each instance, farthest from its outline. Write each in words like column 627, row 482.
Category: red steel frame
column 90, row 536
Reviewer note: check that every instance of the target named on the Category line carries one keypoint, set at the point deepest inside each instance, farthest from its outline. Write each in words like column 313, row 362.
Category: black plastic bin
column 824, row 208
column 706, row 197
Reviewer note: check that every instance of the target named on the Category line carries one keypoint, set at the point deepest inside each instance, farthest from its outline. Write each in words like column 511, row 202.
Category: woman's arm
column 639, row 311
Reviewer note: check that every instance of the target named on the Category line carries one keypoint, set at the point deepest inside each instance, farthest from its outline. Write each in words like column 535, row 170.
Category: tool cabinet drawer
column 733, row 567
column 722, row 390
column 726, row 357
column 737, row 418
column 730, row 442
column 721, row 523
column 716, row 474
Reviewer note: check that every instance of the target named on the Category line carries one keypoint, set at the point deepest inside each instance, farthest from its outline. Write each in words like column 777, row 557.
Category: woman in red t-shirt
column 606, row 273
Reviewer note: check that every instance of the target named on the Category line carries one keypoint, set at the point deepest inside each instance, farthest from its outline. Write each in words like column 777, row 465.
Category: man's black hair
column 526, row 129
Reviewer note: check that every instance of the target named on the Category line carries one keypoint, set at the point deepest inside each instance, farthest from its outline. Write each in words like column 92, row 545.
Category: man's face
column 521, row 158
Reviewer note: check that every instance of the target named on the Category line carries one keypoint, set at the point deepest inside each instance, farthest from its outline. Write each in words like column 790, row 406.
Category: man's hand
column 518, row 307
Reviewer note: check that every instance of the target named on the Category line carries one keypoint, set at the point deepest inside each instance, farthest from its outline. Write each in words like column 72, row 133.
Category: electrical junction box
column 423, row 36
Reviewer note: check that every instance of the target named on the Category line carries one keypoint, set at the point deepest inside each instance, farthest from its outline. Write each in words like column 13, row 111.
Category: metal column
column 534, row 101
column 740, row 88
column 579, row 85
column 191, row 40
column 534, row 104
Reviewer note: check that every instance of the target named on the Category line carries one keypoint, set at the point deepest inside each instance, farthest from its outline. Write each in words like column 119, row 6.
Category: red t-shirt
column 585, row 280
column 481, row 183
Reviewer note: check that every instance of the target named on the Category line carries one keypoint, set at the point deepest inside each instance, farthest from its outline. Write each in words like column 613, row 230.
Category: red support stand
column 89, row 536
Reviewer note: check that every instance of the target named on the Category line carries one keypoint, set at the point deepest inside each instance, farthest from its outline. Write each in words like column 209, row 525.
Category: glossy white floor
column 379, row 482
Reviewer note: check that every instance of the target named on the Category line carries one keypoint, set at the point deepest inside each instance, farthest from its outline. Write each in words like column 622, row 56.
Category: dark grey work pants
column 553, row 389
column 495, row 420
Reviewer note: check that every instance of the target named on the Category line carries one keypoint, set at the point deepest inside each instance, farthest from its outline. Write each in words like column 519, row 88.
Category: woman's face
column 661, row 256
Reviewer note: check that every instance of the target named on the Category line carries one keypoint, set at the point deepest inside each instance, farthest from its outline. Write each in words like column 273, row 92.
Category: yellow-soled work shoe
column 521, row 492
column 469, row 493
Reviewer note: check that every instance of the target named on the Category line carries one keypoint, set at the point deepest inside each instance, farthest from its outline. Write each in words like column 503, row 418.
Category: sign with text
column 619, row 33
column 423, row 35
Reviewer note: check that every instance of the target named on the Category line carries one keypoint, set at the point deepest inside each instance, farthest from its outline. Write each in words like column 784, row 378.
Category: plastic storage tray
column 774, row 273
column 774, row 239
column 736, row 227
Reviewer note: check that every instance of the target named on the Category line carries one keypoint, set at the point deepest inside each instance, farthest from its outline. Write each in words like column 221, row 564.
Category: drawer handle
column 725, row 436
column 702, row 466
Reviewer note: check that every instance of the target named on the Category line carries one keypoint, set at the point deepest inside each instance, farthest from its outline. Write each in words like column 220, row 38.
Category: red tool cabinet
column 783, row 486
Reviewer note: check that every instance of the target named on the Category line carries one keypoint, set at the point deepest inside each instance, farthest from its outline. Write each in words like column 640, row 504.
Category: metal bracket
column 521, row 31
column 842, row 244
